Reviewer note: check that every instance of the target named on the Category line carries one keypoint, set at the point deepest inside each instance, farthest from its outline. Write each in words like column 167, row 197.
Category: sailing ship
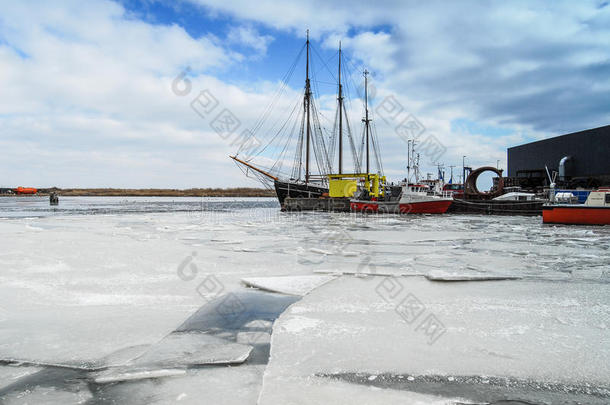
column 314, row 150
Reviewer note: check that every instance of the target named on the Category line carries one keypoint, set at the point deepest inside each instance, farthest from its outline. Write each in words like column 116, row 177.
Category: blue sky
column 200, row 21
column 87, row 98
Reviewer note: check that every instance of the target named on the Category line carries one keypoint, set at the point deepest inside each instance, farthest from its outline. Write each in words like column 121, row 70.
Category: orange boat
column 26, row 190
column 595, row 211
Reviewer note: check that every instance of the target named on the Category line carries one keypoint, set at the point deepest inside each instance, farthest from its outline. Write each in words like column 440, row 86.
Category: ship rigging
column 315, row 147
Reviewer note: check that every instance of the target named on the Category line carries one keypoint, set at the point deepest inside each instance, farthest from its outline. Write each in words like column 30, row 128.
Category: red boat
column 595, row 211
column 26, row 190
column 415, row 199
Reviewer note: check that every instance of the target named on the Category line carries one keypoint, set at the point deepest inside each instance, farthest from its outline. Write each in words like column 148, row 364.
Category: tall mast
column 340, row 116
column 408, row 162
column 366, row 119
column 307, row 106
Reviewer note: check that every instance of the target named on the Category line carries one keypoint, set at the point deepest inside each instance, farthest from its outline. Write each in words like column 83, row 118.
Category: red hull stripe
column 364, row 207
column 427, row 207
column 576, row 215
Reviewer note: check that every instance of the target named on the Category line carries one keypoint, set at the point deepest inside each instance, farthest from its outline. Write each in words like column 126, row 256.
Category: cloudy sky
column 86, row 95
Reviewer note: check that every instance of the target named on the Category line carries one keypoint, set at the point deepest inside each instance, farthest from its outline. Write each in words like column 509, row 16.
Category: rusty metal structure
column 470, row 186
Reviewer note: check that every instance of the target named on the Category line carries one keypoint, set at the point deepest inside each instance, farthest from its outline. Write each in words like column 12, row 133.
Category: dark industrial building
column 580, row 159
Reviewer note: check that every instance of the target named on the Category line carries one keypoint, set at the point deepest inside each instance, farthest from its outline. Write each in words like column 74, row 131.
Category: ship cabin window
column 607, row 198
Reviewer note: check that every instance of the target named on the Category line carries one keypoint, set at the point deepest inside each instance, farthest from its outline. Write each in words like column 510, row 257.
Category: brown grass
column 158, row 192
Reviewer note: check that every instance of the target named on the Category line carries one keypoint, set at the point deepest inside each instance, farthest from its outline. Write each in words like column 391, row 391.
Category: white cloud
column 86, row 96
column 492, row 57
column 319, row 16
column 86, row 100
column 535, row 68
column 249, row 37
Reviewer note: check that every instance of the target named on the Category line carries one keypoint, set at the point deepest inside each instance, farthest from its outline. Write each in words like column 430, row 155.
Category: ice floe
column 293, row 285
column 411, row 326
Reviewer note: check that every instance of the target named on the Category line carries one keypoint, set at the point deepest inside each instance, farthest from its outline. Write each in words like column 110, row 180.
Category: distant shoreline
column 155, row 192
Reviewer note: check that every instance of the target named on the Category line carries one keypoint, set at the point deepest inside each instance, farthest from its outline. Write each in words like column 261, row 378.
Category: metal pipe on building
column 562, row 167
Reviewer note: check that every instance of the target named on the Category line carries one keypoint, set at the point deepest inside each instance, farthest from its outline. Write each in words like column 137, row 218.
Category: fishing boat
column 564, row 210
column 414, row 199
column 420, row 200
column 313, row 159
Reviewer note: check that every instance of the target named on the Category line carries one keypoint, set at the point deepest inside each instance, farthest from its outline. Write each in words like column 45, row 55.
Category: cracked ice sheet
column 539, row 330
column 78, row 292
column 82, row 337
column 8, row 375
column 48, row 395
column 291, row 285
column 75, row 288
column 215, row 385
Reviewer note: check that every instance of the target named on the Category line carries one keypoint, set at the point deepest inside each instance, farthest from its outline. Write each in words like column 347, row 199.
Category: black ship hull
column 494, row 207
column 285, row 189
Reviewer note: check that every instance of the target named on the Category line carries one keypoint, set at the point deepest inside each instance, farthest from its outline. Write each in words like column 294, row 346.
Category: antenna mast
column 408, row 161
column 340, row 116
column 307, row 107
column 366, row 119
column 451, row 179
